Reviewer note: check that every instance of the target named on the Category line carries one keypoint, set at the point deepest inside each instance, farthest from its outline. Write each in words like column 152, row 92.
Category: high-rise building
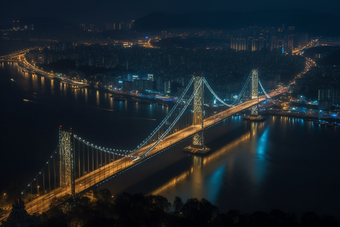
column 238, row 44
column 274, row 43
column 91, row 28
column 329, row 94
column 108, row 26
column 289, row 42
column 257, row 44
column 150, row 77
column 132, row 22
column 142, row 85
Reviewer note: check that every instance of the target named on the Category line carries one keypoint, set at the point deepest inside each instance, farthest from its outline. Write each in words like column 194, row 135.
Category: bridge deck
column 42, row 203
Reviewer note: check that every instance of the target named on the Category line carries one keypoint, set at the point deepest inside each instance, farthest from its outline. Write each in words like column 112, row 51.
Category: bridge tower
column 198, row 116
column 66, row 157
column 197, row 145
column 254, row 91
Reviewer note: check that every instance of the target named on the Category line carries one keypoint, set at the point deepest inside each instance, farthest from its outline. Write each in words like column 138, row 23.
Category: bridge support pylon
column 197, row 146
column 254, row 110
column 66, row 159
column 254, row 91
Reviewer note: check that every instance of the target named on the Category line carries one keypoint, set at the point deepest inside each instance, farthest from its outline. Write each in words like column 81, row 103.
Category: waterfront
column 283, row 163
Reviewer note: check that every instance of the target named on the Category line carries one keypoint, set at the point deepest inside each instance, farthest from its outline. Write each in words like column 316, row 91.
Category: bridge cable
column 243, row 89
column 42, row 169
column 215, row 95
column 167, row 117
column 263, row 89
column 265, row 92
column 104, row 149
column 175, row 121
column 238, row 97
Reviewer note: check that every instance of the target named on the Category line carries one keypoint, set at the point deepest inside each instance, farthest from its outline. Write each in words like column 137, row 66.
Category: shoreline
column 127, row 96
column 33, row 70
column 308, row 118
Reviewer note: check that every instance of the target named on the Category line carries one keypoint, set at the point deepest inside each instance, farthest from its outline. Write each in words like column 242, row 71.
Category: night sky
column 102, row 11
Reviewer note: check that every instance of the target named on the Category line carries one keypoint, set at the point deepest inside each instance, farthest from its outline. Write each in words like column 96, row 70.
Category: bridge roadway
column 16, row 54
column 23, row 62
column 42, row 203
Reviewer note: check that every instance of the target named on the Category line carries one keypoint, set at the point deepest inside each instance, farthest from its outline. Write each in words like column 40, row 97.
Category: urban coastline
column 116, row 95
column 244, row 100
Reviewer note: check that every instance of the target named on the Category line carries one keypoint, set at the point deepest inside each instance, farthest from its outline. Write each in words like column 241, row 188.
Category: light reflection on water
column 97, row 98
column 35, row 82
column 260, row 170
column 197, row 167
column 42, row 81
column 65, row 89
column 86, row 94
column 266, row 165
column 214, row 184
column 262, row 145
column 121, row 106
column 111, row 102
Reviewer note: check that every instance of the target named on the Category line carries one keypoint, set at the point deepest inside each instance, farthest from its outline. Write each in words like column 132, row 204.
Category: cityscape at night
column 170, row 113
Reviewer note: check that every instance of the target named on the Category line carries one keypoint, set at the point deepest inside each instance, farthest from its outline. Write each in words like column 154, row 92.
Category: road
column 21, row 59
column 15, row 54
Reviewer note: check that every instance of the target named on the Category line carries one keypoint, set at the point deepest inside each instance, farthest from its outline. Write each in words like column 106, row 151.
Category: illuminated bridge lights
column 111, row 166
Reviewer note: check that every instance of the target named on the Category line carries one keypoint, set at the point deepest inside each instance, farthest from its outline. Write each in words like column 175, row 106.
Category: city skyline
column 235, row 103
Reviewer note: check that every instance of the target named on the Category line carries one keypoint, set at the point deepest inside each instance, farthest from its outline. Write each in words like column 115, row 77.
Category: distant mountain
column 303, row 20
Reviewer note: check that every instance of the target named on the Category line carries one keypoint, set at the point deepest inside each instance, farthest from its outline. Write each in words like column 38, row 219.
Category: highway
column 16, row 54
column 42, row 202
column 20, row 57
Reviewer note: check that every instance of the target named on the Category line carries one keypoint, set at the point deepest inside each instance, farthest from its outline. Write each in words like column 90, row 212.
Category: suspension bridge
column 77, row 165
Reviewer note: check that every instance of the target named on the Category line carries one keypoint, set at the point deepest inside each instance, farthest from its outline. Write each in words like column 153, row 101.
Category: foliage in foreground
column 153, row 210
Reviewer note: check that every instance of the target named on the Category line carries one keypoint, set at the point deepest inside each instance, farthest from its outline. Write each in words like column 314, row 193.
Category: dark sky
column 102, row 11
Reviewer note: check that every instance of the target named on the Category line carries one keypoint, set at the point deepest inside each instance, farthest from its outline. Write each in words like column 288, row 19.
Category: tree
column 177, row 205
column 201, row 212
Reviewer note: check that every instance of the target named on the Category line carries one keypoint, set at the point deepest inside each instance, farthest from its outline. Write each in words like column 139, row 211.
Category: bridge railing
column 90, row 160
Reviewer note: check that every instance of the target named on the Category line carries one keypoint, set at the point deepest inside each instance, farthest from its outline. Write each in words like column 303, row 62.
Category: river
column 282, row 163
